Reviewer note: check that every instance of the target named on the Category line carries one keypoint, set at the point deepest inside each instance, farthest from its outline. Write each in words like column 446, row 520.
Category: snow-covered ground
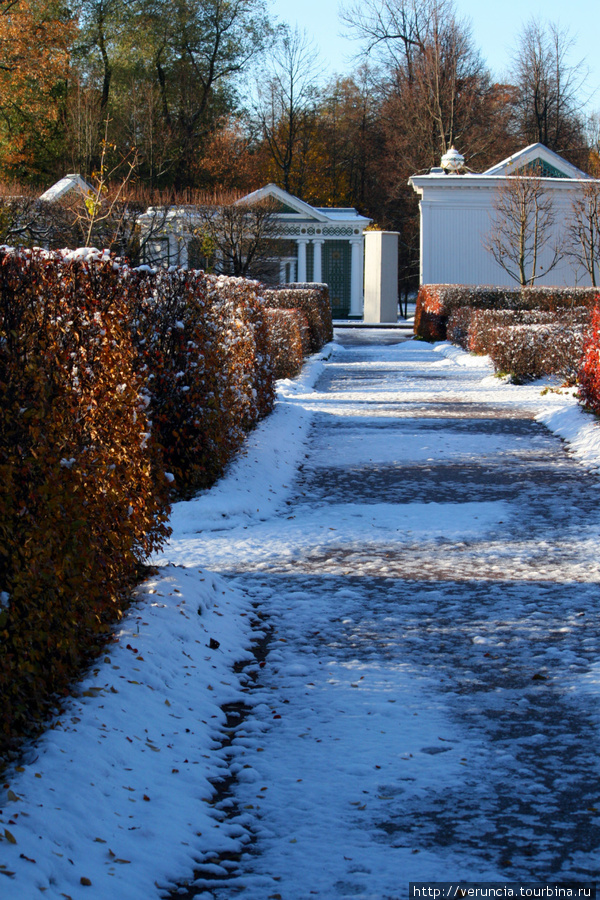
column 428, row 706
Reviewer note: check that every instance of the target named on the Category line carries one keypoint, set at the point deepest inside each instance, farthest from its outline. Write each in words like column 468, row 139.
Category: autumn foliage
column 313, row 301
column 289, row 340
column 36, row 38
column 435, row 303
column 120, row 389
column 82, row 501
column 524, row 343
column 589, row 375
column 204, row 353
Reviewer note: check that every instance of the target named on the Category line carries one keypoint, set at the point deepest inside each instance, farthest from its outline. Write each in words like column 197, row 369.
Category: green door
column 336, row 263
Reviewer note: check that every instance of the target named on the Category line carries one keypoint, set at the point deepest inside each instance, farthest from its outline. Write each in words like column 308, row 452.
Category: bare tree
column 97, row 206
column 523, row 238
column 286, row 101
column 439, row 91
column 592, row 141
column 583, row 232
column 394, row 32
column 27, row 221
column 240, row 237
column 549, row 88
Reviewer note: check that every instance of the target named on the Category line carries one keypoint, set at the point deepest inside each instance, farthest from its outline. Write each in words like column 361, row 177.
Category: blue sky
column 495, row 29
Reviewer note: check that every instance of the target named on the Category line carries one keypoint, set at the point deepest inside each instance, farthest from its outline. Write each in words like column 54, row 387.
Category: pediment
column 536, row 159
column 286, row 204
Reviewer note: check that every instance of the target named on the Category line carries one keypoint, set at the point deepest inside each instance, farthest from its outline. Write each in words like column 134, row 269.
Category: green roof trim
column 541, row 168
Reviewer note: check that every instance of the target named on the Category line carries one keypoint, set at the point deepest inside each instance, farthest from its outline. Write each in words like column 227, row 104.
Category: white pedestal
column 381, row 276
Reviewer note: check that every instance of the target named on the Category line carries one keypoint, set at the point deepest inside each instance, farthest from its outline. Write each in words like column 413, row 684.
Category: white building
column 329, row 245
column 458, row 215
column 65, row 186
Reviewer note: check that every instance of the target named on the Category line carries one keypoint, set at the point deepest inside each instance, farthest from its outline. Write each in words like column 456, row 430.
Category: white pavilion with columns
column 328, row 245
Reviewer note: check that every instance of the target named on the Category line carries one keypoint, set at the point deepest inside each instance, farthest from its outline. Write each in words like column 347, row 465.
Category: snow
column 405, row 626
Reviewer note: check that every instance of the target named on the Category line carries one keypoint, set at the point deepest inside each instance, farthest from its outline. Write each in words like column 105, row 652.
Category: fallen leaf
column 9, row 837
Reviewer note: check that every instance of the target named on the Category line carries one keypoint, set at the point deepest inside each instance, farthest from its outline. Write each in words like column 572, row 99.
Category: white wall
column 456, row 218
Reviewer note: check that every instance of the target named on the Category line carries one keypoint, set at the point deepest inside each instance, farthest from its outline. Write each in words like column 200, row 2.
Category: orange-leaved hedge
column 313, row 301
column 82, row 497
column 524, row 343
column 589, row 374
column 204, row 345
column 108, row 377
column 435, row 302
column 289, row 341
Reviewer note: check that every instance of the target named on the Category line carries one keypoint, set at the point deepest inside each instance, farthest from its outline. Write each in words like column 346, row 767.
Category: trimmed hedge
column 206, row 357
column 289, row 341
column 589, row 375
column 523, row 343
column 313, row 301
column 108, row 375
column 83, row 500
column 435, row 303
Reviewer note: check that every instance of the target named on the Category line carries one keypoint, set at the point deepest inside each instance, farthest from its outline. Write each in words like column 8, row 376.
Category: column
column 317, row 268
column 356, row 277
column 302, row 242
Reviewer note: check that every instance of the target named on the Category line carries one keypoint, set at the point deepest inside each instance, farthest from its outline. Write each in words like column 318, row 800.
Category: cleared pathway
column 426, row 708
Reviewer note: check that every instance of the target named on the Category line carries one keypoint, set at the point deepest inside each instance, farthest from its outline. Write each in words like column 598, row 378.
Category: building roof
column 550, row 164
column 293, row 208
column 534, row 159
column 69, row 183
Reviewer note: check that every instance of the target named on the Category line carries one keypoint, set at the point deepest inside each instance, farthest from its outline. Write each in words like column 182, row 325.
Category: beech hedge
column 83, row 499
column 204, row 345
column 589, row 375
column 524, row 343
column 113, row 382
column 435, row 303
column 289, row 340
column 313, row 301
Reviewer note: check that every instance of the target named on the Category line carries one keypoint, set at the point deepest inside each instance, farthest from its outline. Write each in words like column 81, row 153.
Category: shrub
column 204, row 344
column 313, row 301
column 529, row 343
column 485, row 323
column 82, row 497
column 458, row 327
column 106, row 373
column 435, row 302
column 589, row 374
column 289, row 340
